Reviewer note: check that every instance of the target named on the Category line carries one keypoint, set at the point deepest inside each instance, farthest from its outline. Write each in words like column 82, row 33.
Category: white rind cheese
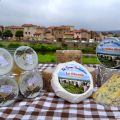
column 6, row 61
column 66, row 94
column 26, row 58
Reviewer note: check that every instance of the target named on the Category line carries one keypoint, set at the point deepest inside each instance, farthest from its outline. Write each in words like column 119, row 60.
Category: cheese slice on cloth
column 72, row 82
column 109, row 92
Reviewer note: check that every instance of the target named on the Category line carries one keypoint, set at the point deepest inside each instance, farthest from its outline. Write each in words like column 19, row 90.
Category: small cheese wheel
column 6, row 61
column 26, row 58
column 72, row 82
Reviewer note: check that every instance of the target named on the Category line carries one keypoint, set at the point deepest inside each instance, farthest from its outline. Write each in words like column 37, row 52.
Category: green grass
column 90, row 60
column 51, row 58
column 47, row 58
column 72, row 89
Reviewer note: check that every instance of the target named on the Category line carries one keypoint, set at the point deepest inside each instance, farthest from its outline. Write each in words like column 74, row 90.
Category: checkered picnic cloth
column 48, row 106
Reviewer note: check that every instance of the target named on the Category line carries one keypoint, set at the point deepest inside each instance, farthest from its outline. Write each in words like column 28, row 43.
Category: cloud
column 91, row 14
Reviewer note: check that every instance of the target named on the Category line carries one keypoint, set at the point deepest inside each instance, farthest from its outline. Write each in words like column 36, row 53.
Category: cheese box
column 8, row 90
column 108, row 52
column 25, row 58
column 6, row 61
column 72, row 82
column 30, row 83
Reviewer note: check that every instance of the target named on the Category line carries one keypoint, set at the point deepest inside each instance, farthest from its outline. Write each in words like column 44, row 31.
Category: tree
column 19, row 34
column 7, row 34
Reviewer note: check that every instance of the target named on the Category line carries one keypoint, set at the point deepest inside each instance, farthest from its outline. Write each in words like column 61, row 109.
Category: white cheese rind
column 61, row 92
column 6, row 61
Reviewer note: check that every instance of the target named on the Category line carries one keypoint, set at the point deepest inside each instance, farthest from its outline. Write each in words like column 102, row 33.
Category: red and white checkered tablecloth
column 49, row 107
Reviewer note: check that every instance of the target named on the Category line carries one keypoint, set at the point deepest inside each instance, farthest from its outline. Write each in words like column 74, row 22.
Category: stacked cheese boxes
column 30, row 81
column 8, row 86
column 108, row 53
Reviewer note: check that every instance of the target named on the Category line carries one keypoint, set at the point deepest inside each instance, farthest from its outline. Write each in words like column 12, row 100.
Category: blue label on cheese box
column 108, row 52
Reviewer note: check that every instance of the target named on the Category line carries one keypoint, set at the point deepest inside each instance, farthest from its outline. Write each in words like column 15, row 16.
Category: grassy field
column 51, row 58
column 49, row 55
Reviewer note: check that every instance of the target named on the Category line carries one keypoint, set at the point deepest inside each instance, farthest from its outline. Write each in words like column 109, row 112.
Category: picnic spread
column 66, row 90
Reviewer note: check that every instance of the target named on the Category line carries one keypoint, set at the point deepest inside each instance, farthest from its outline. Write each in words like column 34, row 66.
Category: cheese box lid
column 72, row 82
column 6, row 61
column 30, row 84
column 8, row 90
column 108, row 52
column 26, row 58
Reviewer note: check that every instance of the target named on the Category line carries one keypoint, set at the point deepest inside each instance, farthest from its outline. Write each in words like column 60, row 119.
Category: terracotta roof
column 14, row 27
column 27, row 25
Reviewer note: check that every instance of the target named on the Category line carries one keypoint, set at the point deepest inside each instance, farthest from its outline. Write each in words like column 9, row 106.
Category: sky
column 90, row 14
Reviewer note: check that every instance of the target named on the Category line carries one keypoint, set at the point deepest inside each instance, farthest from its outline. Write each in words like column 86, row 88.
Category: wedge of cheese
column 109, row 92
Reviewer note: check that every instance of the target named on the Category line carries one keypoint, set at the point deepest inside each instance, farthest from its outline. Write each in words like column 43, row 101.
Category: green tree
column 7, row 34
column 19, row 34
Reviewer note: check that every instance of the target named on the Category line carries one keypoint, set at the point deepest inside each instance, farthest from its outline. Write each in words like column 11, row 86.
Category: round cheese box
column 30, row 83
column 108, row 52
column 8, row 90
column 72, row 82
column 6, row 61
column 26, row 58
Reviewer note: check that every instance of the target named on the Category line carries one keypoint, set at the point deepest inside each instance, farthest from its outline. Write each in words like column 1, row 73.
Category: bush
column 89, row 50
column 13, row 45
column 2, row 46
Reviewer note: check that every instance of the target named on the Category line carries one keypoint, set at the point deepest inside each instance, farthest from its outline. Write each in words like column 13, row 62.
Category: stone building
column 29, row 30
column 59, row 31
column 82, row 34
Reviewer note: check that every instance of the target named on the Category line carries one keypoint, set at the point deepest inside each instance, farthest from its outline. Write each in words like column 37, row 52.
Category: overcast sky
column 90, row 14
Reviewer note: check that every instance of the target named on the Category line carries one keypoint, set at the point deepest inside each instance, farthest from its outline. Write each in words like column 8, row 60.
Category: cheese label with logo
column 72, row 82
column 74, row 79
column 108, row 52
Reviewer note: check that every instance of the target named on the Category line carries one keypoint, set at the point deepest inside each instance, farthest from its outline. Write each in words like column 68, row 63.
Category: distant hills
column 111, row 31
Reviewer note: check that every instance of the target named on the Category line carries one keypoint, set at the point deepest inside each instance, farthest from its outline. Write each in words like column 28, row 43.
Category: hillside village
column 30, row 32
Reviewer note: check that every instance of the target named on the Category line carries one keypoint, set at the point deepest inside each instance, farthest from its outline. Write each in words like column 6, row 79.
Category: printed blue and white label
column 109, row 46
column 108, row 52
column 74, row 78
column 29, row 59
column 3, row 61
column 6, row 89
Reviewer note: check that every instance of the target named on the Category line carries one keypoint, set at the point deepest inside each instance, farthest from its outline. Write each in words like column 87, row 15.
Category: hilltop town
column 30, row 32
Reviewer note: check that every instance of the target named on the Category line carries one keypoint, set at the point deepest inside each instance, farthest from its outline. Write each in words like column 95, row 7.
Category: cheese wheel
column 48, row 72
column 26, row 58
column 6, row 61
column 8, row 90
column 30, row 83
column 72, row 82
